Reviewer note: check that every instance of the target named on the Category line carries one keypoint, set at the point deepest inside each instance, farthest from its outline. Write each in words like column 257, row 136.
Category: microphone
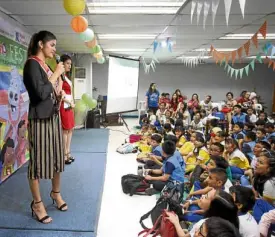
column 57, row 59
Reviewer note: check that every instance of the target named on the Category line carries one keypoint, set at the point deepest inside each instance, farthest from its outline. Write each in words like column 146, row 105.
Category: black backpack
column 134, row 184
column 170, row 199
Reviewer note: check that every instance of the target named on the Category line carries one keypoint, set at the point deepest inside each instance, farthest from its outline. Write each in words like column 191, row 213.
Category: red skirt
column 67, row 117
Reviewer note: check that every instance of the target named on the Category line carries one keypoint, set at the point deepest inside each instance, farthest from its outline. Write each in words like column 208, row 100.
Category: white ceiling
column 50, row 15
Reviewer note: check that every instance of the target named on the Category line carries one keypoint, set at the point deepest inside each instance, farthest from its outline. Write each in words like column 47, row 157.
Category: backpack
column 126, row 149
column 134, row 184
column 134, row 138
column 170, row 199
column 166, row 228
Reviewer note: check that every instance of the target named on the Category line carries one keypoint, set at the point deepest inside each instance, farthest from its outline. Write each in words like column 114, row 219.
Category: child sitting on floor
column 245, row 200
column 237, row 160
column 172, row 169
column 179, row 132
column 249, row 144
column 216, row 180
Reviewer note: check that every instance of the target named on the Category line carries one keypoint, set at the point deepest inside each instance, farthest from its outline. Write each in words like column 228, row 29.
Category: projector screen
column 122, row 85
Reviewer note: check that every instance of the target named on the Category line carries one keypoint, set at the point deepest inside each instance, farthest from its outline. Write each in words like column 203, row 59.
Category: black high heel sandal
column 70, row 157
column 68, row 161
column 34, row 214
column 62, row 206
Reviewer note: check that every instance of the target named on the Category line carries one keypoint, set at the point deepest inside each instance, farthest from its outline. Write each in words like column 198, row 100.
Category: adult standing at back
column 152, row 98
column 66, row 109
column 44, row 127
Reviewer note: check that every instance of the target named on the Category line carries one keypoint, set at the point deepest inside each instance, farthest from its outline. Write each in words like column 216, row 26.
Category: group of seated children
column 226, row 175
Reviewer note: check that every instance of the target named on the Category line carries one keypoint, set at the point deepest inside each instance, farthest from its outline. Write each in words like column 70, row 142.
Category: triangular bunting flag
column 242, row 5
column 211, row 49
column 240, row 52
column 227, row 4
column 199, row 8
column 226, row 57
column 247, row 70
column 273, row 66
column 225, row 66
column 266, row 60
column 236, row 73
column 263, row 29
column 252, row 64
column 241, row 73
column 255, row 40
column 193, row 7
column 232, row 71
column 269, row 63
column 205, row 12
column 233, row 56
column 247, row 47
column 272, row 51
column 259, row 58
column 215, row 5
column 265, row 49
column 228, row 69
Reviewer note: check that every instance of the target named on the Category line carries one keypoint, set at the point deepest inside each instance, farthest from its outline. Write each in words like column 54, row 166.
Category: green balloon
column 86, row 98
column 92, row 103
column 96, row 49
column 80, row 106
column 101, row 60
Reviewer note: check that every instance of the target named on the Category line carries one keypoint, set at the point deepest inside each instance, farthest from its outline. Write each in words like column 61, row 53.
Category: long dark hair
column 44, row 36
column 64, row 58
column 150, row 88
column 8, row 143
column 260, row 180
column 223, row 206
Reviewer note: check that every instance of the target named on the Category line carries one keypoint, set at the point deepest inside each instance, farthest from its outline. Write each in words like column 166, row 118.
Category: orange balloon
column 79, row 24
column 92, row 43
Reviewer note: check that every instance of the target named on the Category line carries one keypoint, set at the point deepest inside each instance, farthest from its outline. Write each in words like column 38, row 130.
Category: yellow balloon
column 74, row 7
column 98, row 55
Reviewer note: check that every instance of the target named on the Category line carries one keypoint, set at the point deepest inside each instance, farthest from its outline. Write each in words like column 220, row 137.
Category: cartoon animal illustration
column 14, row 89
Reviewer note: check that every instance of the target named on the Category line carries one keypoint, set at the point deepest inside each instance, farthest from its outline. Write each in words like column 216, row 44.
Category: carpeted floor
column 82, row 186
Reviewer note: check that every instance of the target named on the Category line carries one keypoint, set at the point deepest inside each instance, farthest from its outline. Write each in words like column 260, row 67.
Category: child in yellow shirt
column 179, row 132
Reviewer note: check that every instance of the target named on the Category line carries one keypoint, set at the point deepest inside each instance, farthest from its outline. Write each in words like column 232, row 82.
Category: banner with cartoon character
column 14, row 102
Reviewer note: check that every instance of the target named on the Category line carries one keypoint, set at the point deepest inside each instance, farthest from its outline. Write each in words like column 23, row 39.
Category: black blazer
column 40, row 89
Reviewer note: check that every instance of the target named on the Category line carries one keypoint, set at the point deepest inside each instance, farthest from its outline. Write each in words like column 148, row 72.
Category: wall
column 206, row 79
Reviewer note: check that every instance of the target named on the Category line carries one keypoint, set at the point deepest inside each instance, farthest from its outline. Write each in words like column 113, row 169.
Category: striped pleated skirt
column 46, row 148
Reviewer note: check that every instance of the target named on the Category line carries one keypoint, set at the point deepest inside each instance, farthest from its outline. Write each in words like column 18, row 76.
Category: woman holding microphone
column 44, row 128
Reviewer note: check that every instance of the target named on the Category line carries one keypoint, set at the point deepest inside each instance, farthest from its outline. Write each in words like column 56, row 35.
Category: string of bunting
column 193, row 62
column 206, row 5
column 79, row 24
column 220, row 56
column 152, row 64
column 239, row 72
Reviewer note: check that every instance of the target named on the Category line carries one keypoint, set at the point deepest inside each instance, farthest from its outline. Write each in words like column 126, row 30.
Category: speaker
column 93, row 119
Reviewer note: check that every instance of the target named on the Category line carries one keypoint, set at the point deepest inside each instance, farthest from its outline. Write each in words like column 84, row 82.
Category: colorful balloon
column 98, row 55
column 101, row 60
column 92, row 104
column 91, row 44
column 74, row 7
column 79, row 24
column 96, row 49
column 80, row 106
column 87, row 35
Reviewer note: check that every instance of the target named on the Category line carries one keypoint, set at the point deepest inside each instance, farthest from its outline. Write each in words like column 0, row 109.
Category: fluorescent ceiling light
column 136, row 4
column 134, row 10
column 245, row 36
column 218, row 49
column 126, row 36
column 124, row 50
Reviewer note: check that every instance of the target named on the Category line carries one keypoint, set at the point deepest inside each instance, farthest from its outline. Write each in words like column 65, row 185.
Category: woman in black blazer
column 44, row 128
